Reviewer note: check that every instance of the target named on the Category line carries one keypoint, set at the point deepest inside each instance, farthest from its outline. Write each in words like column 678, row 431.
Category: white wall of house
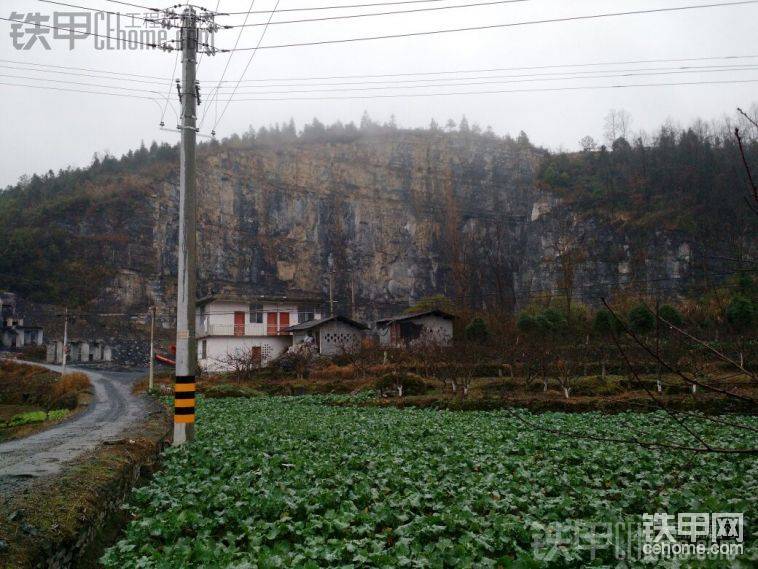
column 332, row 337
column 213, row 352
column 336, row 336
column 217, row 318
column 219, row 337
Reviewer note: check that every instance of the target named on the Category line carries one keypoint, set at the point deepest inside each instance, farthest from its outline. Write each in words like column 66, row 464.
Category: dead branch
column 721, row 356
column 754, row 188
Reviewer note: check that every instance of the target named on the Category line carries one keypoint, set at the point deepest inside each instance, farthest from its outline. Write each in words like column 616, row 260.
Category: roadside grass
column 35, row 398
column 35, row 417
column 53, row 514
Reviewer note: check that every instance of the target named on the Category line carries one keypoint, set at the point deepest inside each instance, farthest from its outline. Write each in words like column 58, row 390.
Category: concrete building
column 330, row 336
column 14, row 334
column 256, row 327
column 79, row 351
column 402, row 330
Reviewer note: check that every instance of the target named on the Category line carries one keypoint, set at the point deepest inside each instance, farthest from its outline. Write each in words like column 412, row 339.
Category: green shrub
column 641, row 320
column 552, row 320
column 740, row 313
column 527, row 324
column 35, row 417
column 671, row 315
column 604, row 323
column 477, row 331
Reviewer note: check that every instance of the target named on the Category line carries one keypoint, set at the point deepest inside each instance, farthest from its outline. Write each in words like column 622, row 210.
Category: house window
column 204, row 349
column 305, row 314
column 256, row 314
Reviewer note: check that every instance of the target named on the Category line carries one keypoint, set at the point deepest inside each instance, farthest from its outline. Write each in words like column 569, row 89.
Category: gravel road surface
column 113, row 409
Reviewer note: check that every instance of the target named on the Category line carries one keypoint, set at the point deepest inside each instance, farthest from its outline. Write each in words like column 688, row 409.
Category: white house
column 330, row 336
column 230, row 326
column 432, row 325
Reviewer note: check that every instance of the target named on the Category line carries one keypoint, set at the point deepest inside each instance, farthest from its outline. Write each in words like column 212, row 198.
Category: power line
column 249, row 61
column 95, row 35
column 96, row 10
column 499, row 26
column 162, row 79
column 345, row 6
column 48, row 88
column 214, row 93
column 81, row 84
column 170, row 86
column 497, row 81
column 567, row 75
column 371, row 14
column 134, row 5
column 73, row 74
column 507, row 91
column 498, row 69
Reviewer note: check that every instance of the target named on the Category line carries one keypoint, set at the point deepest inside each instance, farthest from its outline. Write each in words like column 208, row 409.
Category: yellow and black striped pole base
column 184, row 408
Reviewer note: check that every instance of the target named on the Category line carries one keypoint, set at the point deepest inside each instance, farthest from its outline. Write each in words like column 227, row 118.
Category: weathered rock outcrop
column 393, row 217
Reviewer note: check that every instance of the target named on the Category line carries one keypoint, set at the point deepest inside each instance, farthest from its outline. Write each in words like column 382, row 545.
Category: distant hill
column 395, row 214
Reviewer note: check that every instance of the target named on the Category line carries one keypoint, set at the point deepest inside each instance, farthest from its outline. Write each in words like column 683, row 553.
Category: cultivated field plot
column 283, row 482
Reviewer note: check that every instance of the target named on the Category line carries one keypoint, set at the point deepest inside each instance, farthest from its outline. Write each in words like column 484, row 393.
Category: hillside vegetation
column 690, row 181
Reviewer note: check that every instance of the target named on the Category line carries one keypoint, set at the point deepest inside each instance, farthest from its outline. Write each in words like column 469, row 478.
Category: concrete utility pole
column 331, row 293
column 65, row 340
column 152, row 349
column 186, row 344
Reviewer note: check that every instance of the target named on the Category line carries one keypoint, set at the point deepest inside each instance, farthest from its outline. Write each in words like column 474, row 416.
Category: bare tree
column 617, row 125
column 242, row 363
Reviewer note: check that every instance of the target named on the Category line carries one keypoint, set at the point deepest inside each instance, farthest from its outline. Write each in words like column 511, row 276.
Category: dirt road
column 113, row 409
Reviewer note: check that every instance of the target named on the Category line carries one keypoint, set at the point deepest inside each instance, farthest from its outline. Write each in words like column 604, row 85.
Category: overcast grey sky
column 44, row 129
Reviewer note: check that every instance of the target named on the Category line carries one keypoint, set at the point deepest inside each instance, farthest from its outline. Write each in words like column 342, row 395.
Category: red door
column 271, row 323
column 239, row 323
column 284, row 321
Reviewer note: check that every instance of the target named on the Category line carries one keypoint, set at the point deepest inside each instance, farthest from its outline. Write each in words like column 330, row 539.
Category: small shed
column 331, row 336
column 431, row 325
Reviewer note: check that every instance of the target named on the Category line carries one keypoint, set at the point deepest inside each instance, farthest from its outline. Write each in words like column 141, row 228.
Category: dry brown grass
column 22, row 384
column 68, row 388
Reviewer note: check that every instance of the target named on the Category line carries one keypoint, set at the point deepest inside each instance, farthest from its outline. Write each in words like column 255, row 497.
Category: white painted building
column 432, row 325
column 229, row 327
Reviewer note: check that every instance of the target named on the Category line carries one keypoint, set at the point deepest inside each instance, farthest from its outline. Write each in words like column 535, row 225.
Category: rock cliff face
column 392, row 218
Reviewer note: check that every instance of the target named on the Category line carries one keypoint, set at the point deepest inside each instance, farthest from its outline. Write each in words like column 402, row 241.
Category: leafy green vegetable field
column 296, row 482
